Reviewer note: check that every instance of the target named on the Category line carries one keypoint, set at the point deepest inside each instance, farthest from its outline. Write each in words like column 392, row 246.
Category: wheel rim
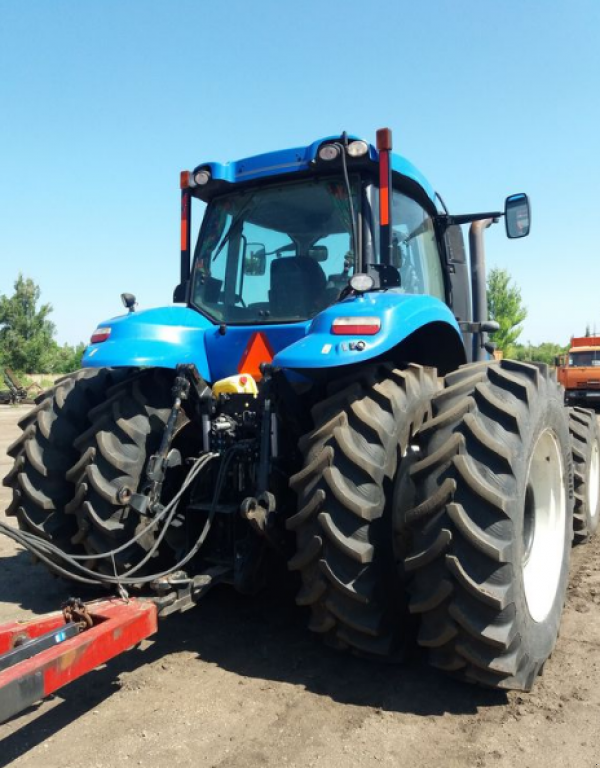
column 594, row 482
column 544, row 526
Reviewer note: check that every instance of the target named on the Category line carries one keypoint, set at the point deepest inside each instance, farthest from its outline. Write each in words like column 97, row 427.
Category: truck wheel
column 490, row 554
column 45, row 452
column 356, row 462
column 585, row 447
column 126, row 429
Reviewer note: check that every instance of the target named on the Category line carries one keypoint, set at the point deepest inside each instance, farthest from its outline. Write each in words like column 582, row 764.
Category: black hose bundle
column 45, row 550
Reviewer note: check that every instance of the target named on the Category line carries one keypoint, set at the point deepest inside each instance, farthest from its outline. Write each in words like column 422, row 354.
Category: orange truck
column 579, row 371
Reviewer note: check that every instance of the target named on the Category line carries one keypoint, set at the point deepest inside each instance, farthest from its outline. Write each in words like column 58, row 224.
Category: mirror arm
column 484, row 326
column 445, row 220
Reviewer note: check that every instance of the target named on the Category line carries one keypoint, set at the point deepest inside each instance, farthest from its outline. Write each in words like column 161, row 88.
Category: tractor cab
column 301, row 246
column 280, row 250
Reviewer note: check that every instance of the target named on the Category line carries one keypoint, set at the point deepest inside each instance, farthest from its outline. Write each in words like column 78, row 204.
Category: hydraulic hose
column 44, row 550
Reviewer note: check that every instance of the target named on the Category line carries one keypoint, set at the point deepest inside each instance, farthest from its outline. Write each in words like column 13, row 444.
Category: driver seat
column 297, row 287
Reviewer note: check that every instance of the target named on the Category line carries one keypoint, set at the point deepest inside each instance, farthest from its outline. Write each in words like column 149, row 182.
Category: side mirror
column 557, row 361
column 318, row 252
column 517, row 216
column 180, row 294
column 255, row 261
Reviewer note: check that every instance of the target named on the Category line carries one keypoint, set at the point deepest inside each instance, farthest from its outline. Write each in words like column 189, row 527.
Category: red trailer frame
column 41, row 655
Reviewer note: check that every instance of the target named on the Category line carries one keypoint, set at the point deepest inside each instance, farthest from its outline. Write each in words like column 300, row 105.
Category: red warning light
column 384, row 140
column 257, row 351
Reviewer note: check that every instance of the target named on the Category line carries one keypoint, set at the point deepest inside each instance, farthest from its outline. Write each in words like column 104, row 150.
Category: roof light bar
column 333, row 150
column 357, row 148
column 202, row 177
column 329, row 152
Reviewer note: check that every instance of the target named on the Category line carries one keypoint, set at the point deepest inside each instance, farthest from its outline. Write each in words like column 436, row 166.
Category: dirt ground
column 240, row 682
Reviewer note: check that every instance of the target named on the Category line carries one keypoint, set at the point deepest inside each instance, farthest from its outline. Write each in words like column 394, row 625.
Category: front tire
column 491, row 549
column 355, row 457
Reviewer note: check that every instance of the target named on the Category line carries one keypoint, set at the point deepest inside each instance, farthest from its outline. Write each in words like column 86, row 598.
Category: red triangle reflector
column 257, row 351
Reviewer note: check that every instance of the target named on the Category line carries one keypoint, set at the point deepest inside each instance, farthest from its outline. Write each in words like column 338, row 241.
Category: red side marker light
column 356, row 326
column 100, row 334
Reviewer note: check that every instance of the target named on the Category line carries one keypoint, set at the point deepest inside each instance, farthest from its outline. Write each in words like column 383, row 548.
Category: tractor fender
column 161, row 337
column 401, row 316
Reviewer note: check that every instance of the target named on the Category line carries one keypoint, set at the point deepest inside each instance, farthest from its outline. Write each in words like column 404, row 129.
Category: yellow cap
column 244, row 384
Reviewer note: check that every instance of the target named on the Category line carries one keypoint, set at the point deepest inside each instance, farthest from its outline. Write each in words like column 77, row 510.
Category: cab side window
column 415, row 250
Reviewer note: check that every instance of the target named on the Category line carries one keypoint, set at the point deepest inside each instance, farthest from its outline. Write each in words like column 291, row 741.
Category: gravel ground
column 241, row 682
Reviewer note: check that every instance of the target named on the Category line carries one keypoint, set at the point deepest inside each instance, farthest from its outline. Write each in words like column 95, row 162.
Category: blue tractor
column 322, row 391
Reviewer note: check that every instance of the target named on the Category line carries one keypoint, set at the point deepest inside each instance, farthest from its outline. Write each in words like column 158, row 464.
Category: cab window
column 277, row 253
column 415, row 250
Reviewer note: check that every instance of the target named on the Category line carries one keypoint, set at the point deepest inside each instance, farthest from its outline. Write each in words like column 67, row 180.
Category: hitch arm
column 187, row 380
column 40, row 656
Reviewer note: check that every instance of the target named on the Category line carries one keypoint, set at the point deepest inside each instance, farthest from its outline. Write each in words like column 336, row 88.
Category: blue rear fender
column 414, row 328
column 161, row 337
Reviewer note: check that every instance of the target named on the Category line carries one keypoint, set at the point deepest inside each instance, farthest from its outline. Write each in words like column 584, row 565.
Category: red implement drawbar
column 41, row 655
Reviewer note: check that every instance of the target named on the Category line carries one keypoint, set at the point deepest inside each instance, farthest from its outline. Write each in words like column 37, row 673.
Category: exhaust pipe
column 478, row 283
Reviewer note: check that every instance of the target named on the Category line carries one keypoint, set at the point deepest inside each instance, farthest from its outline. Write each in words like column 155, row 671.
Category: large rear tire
column 585, row 446
column 44, row 453
column 491, row 548
column 355, row 458
column 126, row 429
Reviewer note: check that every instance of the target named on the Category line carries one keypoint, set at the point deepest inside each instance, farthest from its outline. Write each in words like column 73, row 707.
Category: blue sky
column 103, row 103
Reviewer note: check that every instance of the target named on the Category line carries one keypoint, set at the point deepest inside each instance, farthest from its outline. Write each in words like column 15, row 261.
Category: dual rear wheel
column 460, row 498
column 585, row 446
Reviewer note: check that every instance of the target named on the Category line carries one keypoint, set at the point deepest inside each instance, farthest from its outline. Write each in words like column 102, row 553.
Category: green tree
column 26, row 333
column 27, row 342
column 68, row 358
column 505, row 306
column 546, row 352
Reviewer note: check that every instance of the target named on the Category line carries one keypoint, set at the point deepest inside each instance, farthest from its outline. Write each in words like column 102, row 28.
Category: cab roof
column 298, row 159
column 581, row 343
